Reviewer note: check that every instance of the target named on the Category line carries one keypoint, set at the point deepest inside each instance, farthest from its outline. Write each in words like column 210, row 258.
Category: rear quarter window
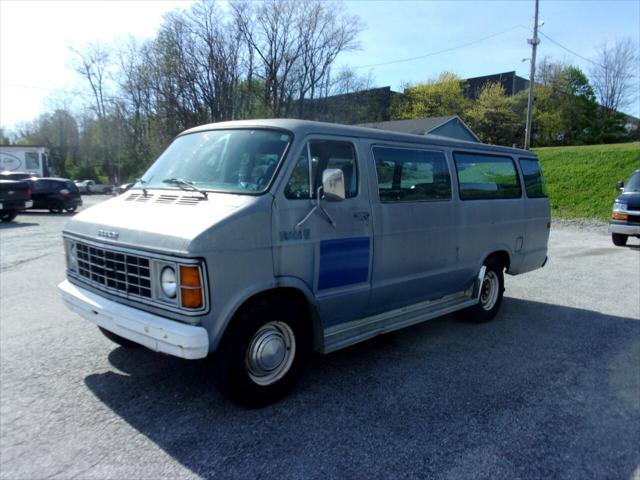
column 485, row 176
column 72, row 187
column 533, row 179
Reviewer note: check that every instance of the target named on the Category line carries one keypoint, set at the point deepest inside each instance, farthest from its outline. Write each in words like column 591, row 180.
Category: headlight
column 72, row 255
column 617, row 206
column 168, row 282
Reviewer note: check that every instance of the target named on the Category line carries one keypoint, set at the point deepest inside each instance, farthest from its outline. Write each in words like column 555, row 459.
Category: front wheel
column 491, row 292
column 263, row 353
column 619, row 240
column 70, row 209
column 8, row 215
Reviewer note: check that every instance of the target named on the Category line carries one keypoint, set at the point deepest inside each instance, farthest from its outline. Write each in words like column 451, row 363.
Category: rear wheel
column 124, row 342
column 8, row 215
column 263, row 352
column 619, row 239
column 56, row 207
column 70, row 209
column 491, row 292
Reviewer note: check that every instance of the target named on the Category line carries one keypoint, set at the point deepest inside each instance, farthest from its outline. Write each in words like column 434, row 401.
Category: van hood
column 162, row 220
column 632, row 199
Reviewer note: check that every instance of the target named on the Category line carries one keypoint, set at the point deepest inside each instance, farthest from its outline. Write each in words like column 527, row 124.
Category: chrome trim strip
column 344, row 335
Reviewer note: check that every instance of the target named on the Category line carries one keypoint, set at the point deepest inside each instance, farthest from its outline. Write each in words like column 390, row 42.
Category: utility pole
column 532, row 74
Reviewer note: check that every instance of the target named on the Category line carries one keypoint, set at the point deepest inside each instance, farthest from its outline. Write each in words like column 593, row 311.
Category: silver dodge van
column 263, row 240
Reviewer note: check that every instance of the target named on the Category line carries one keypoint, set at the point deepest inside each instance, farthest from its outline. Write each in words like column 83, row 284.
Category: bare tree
column 613, row 72
column 93, row 64
column 324, row 31
column 268, row 29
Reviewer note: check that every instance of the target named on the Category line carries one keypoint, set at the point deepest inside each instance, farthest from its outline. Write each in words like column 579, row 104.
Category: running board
column 344, row 335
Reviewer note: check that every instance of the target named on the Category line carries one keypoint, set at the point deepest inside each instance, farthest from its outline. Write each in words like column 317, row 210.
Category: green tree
column 437, row 97
column 493, row 117
column 565, row 108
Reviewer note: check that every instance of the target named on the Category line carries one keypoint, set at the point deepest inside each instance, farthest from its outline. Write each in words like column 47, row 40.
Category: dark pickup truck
column 14, row 197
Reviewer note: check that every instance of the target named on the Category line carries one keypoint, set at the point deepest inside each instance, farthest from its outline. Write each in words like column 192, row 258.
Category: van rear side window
column 533, row 180
column 482, row 176
column 408, row 175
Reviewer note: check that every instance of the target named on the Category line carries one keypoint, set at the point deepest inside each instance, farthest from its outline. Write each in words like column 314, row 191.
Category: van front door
column 330, row 250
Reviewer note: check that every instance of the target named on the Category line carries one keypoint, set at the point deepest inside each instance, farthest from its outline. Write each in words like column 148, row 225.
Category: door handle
column 361, row 215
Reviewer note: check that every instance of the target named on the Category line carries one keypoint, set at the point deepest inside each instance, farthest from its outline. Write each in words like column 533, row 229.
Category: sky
column 36, row 73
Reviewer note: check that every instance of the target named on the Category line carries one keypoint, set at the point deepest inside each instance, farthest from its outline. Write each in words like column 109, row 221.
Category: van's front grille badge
column 108, row 270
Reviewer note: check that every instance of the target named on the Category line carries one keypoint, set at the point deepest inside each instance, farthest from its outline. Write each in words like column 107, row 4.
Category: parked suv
column 625, row 218
column 55, row 194
column 15, row 196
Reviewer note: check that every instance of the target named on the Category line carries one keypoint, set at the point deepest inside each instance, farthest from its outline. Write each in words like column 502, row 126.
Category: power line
column 569, row 50
column 431, row 54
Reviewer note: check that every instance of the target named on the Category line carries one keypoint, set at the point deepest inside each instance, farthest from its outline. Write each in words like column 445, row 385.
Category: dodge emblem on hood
column 108, row 234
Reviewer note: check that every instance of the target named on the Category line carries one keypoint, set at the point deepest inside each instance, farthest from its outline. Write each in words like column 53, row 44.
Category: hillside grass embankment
column 581, row 180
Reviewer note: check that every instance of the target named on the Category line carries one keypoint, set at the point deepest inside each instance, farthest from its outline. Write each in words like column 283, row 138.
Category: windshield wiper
column 181, row 182
column 142, row 182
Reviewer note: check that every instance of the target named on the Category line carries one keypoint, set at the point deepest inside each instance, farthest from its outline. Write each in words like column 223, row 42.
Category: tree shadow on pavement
column 542, row 391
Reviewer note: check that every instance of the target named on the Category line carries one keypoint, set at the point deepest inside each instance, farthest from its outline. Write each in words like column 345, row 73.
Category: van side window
column 482, row 176
column 407, row 175
column 324, row 154
column 298, row 185
column 533, row 180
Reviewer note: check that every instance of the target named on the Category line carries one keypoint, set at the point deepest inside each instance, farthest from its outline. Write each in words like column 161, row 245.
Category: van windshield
column 633, row 184
column 229, row 161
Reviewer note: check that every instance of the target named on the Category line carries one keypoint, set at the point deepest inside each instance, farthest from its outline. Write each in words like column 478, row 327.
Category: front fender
column 237, row 301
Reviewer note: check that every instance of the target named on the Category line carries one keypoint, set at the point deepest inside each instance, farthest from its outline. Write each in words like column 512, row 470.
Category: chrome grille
column 110, row 270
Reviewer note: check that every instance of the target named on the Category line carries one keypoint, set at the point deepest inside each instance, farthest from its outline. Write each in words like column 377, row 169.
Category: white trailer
column 32, row 159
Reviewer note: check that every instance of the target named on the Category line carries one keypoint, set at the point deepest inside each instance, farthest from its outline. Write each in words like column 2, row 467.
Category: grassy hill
column 581, row 180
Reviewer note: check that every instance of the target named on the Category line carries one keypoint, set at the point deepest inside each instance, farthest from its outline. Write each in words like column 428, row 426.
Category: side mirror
column 620, row 185
column 333, row 184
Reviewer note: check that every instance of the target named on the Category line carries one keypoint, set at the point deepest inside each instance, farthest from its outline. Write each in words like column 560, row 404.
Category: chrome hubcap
column 271, row 352
column 490, row 290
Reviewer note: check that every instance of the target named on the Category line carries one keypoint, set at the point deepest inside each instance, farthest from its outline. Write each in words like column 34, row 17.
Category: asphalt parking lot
column 550, row 389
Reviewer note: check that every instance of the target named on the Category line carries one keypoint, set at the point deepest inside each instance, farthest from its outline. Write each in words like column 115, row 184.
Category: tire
column 70, row 209
column 619, row 239
column 123, row 342
column 56, row 207
column 263, row 352
column 491, row 293
column 8, row 215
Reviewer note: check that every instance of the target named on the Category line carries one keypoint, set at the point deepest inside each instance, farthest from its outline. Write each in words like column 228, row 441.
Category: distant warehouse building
column 511, row 83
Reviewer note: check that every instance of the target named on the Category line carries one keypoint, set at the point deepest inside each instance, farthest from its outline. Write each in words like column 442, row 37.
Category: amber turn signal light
column 189, row 276
column 191, row 297
column 619, row 216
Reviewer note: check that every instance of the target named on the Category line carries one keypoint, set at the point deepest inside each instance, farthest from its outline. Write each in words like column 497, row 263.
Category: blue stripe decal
column 343, row 262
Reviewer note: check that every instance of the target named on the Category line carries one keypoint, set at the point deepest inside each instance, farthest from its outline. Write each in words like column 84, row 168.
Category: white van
column 264, row 240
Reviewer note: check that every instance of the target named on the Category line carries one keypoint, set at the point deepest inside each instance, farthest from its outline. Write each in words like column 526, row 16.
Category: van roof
column 306, row 127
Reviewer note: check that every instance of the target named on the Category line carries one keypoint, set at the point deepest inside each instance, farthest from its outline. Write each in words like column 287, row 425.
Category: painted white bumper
column 154, row 332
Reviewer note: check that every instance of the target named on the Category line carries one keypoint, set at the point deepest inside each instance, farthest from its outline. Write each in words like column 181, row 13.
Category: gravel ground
column 549, row 389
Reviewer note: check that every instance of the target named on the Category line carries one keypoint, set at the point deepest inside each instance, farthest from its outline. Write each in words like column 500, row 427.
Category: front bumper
column 624, row 228
column 154, row 332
